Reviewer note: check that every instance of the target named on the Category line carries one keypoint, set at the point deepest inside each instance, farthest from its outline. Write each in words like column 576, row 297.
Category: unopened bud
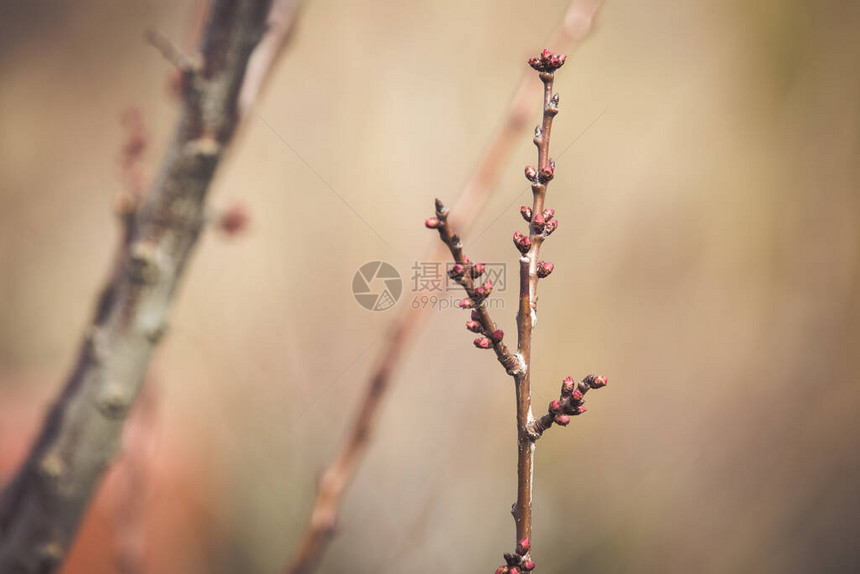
column 523, row 546
column 475, row 315
column 561, row 420
column 522, row 242
column 544, row 268
column 467, row 304
column 539, row 222
column 498, row 335
column 597, row 382
column 555, row 407
column 547, row 172
column 432, row 223
column 577, row 395
column 526, row 212
column 234, row 220
column 548, row 214
column 483, row 343
column 456, row 271
column 528, row 565
column 477, row 270
column 531, row 173
column 567, row 386
column 551, row 226
column 474, row 326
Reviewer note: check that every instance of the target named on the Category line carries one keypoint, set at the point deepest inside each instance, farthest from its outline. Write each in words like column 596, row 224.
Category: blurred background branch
column 43, row 505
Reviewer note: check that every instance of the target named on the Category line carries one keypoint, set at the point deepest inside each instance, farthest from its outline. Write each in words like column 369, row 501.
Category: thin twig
column 577, row 23
column 42, row 507
column 542, row 224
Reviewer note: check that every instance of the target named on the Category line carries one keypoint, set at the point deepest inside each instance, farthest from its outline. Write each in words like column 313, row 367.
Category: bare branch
column 577, row 23
column 41, row 508
column 542, row 223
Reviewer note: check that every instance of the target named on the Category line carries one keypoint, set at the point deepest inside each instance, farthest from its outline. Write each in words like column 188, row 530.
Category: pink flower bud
column 528, row 565
column 567, row 386
column 547, row 172
column 523, row 546
column 474, row 326
column 475, row 315
column 539, row 222
column 577, row 395
column 477, row 270
column 498, row 335
column 598, row 382
column 544, row 268
column 531, row 173
column 432, row 222
column 561, row 420
column 551, row 226
column 548, row 214
column 483, row 343
column 514, row 571
column 547, row 61
column 526, row 212
column 502, row 570
column 522, row 242
column 467, row 304
column 456, row 271
column 555, row 407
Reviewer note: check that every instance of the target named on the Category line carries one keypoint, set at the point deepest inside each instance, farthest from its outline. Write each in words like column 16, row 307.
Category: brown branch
column 542, row 224
column 576, row 25
column 466, row 273
column 42, row 507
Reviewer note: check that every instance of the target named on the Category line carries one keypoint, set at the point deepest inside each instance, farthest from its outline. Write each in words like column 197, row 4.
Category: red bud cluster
column 456, row 271
column 522, row 242
column 547, row 61
column 569, row 404
column 484, row 290
column 547, row 172
column 517, row 563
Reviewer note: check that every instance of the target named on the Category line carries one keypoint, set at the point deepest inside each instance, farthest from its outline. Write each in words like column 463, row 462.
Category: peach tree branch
column 577, row 23
column 542, row 223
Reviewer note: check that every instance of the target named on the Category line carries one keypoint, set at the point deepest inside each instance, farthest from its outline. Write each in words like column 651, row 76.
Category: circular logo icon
column 377, row 286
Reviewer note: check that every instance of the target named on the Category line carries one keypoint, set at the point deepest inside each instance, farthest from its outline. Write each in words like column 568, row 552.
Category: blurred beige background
column 706, row 262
